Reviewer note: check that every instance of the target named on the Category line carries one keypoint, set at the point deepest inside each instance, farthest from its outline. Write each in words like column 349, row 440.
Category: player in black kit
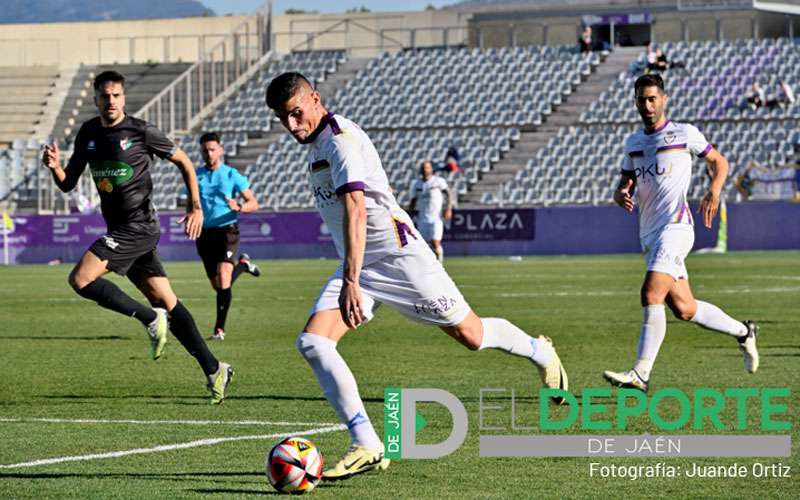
column 119, row 150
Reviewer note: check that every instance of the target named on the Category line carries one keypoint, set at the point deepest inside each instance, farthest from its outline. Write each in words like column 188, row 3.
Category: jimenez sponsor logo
column 110, row 174
column 598, row 409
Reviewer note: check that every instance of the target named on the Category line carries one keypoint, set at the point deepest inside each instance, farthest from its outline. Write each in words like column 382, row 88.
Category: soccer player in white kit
column 427, row 199
column 383, row 260
column 658, row 165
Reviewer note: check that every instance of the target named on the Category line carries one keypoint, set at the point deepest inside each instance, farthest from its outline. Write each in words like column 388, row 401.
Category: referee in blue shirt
column 218, row 244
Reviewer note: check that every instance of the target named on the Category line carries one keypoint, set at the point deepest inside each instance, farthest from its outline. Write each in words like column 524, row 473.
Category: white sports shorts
column 431, row 230
column 414, row 283
column 665, row 251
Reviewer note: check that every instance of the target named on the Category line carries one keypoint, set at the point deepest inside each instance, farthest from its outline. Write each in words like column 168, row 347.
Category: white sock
column 499, row 333
column 339, row 386
column 712, row 317
column 654, row 329
column 439, row 253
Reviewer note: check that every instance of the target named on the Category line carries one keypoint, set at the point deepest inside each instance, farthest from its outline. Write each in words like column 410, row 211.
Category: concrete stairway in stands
column 566, row 115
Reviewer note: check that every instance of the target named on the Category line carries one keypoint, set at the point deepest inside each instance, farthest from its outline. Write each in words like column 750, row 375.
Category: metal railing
column 175, row 108
column 358, row 39
column 714, row 4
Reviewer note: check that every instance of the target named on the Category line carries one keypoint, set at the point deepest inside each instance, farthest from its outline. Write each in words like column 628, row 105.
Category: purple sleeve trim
column 350, row 187
column 707, row 150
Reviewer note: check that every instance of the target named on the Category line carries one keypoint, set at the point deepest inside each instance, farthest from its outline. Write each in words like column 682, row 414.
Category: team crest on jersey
column 125, row 144
column 669, row 137
column 90, row 146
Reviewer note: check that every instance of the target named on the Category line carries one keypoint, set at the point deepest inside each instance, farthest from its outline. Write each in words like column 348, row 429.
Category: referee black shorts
column 218, row 244
column 130, row 249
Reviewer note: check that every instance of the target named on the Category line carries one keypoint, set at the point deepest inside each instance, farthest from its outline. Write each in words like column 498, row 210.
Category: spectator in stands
column 756, row 97
column 585, row 43
column 661, row 57
column 785, row 96
column 657, row 59
column 653, row 62
column 452, row 160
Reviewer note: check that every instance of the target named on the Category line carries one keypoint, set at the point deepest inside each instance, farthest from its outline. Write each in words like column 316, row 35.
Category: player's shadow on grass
column 61, row 337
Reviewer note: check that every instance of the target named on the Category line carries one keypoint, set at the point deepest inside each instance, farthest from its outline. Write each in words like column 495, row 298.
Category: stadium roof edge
column 778, row 7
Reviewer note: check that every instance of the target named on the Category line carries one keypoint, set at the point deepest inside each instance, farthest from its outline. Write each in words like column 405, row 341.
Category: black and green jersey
column 120, row 158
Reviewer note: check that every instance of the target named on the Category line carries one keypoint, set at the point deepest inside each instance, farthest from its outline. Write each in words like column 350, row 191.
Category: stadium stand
column 245, row 124
column 713, row 85
column 581, row 164
column 415, row 104
column 534, row 125
column 142, row 81
column 24, row 94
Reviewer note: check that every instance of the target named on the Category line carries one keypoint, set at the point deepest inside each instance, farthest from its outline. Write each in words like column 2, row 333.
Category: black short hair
column 210, row 136
column 651, row 80
column 283, row 87
column 108, row 76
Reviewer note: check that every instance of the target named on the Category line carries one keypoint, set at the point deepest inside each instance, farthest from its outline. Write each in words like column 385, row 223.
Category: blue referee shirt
column 215, row 186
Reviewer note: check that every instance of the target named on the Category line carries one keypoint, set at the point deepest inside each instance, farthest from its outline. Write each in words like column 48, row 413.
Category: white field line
column 170, row 447
column 159, row 422
column 608, row 293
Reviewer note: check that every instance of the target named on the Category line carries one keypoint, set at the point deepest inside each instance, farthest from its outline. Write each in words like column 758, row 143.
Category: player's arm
column 65, row 179
column 412, row 205
column 718, row 167
column 448, row 210
column 355, row 238
column 194, row 211
column 623, row 195
column 250, row 203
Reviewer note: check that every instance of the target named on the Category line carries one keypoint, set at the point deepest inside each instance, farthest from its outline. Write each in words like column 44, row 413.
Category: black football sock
column 238, row 269
column 224, row 297
column 184, row 328
column 110, row 296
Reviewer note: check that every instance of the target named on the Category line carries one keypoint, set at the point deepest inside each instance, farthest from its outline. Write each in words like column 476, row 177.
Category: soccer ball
column 294, row 465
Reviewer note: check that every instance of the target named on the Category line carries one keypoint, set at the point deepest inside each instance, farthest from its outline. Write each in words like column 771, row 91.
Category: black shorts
column 130, row 249
column 218, row 244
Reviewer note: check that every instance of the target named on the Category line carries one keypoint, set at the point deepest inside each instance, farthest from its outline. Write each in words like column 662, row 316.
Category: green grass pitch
column 65, row 359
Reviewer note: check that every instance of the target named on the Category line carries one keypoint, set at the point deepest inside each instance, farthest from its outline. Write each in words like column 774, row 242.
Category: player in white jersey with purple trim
column 427, row 199
column 658, row 166
column 383, row 260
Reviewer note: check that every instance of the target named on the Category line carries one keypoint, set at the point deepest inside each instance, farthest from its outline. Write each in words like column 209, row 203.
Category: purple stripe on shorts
column 402, row 231
column 706, row 151
column 350, row 187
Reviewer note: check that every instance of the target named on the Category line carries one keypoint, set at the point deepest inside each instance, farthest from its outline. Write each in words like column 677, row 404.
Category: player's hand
column 194, row 223
column 233, row 204
column 448, row 214
column 708, row 207
column 50, row 157
column 350, row 304
column 622, row 196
